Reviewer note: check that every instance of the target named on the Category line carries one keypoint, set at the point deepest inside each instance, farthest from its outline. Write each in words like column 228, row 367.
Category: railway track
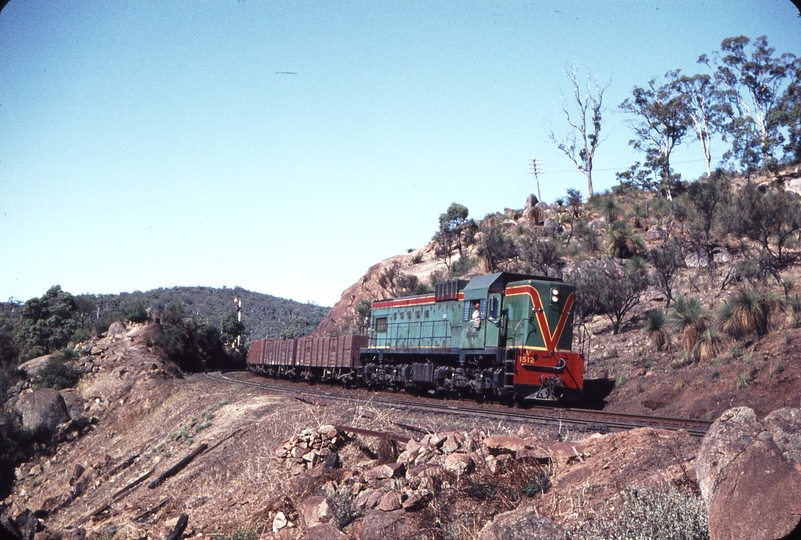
column 590, row 420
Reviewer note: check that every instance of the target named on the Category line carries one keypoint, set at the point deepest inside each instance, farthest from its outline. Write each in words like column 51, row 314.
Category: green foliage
column 610, row 290
column 655, row 327
column 747, row 313
column 455, row 233
column 707, row 200
column 606, row 205
column 193, row 346
column 744, row 380
column 47, row 323
column 659, row 126
column 57, row 374
column 541, row 255
column 667, row 260
column 622, row 241
column 753, row 77
column 462, row 266
column 636, row 177
column 495, row 247
column 263, row 315
column 620, row 380
column 584, row 241
column 690, row 320
column 710, row 345
column 135, row 313
column 770, row 217
column 663, row 512
column 297, row 327
column 231, row 327
column 241, row 533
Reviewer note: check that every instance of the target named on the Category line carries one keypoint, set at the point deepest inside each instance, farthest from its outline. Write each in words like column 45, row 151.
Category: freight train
column 501, row 336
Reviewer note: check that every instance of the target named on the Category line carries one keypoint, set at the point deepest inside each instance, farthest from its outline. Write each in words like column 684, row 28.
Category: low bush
column 57, row 374
column 135, row 313
column 663, row 512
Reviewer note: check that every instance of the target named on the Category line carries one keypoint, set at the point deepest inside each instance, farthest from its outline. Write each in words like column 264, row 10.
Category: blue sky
column 157, row 144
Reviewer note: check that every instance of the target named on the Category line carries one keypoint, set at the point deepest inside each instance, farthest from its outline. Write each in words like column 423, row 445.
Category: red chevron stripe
column 551, row 339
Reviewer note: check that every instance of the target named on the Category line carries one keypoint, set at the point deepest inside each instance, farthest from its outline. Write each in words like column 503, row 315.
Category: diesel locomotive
column 501, row 336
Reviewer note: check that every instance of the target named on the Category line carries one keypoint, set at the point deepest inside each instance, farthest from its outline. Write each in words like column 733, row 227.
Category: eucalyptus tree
column 455, row 232
column 705, row 108
column 585, row 121
column 752, row 77
column 659, row 124
column 790, row 113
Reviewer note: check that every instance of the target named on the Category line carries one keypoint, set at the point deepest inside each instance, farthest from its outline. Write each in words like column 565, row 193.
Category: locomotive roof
column 497, row 282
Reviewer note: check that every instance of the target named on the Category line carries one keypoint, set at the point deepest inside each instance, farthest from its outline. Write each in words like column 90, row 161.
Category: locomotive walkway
column 589, row 420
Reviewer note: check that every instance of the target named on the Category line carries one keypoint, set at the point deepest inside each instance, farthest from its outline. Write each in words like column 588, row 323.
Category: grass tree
column 747, row 313
column 689, row 318
column 622, row 241
column 656, row 328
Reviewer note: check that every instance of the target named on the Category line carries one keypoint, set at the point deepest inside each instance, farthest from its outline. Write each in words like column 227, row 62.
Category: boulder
column 458, row 464
column 655, row 233
column 784, row 426
column 42, row 410
column 521, row 524
column 32, row 367
column 146, row 334
column 504, row 444
column 551, row 226
column 314, row 510
column 117, row 328
column 750, row 489
column 75, row 404
column 378, row 525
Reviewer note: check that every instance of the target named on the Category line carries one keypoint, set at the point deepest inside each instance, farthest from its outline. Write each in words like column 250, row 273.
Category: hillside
column 264, row 315
column 717, row 266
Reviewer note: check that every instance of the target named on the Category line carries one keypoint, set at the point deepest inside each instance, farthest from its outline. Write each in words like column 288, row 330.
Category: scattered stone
column 458, row 464
column 279, row 522
column 390, row 501
column 504, row 444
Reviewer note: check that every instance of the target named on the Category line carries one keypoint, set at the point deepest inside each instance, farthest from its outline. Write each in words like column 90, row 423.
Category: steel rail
column 603, row 421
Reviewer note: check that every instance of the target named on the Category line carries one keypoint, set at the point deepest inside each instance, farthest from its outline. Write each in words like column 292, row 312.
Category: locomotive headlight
column 554, row 295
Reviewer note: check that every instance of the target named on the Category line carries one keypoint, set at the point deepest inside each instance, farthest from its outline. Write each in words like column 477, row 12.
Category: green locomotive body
column 500, row 334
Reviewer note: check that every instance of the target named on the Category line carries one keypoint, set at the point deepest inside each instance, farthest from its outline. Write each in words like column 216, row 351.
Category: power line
column 626, row 167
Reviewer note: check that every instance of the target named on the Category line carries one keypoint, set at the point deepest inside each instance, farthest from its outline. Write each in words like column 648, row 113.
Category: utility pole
column 535, row 168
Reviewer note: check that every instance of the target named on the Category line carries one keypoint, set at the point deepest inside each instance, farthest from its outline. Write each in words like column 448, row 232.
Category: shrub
column 663, row 512
column 462, row 266
column 135, row 313
column 744, row 380
column 57, row 374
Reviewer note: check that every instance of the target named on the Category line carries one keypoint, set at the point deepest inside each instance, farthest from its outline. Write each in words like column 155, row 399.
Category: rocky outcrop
column 748, row 475
column 42, row 409
column 31, row 368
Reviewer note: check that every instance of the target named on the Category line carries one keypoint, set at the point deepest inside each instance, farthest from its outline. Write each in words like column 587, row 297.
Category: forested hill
column 263, row 315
